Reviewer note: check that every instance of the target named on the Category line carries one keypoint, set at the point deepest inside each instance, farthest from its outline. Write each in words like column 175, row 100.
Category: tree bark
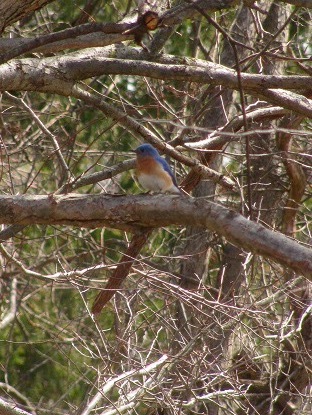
column 13, row 10
column 130, row 212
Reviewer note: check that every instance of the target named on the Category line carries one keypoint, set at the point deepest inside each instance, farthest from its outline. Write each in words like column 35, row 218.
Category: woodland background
column 214, row 314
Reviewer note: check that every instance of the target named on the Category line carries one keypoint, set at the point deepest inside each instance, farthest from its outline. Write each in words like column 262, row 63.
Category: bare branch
column 140, row 130
column 94, row 178
column 139, row 239
column 131, row 212
column 10, row 315
column 218, row 138
column 299, row 3
column 186, row 10
column 79, row 36
column 11, row 12
column 21, row 103
column 59, row 75
column 112, row 383
column 84, row 65
column 11, row 409
column 34, row 44
column 94, row 39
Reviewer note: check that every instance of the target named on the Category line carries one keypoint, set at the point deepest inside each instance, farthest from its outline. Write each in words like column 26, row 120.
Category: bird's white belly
column 153, row 183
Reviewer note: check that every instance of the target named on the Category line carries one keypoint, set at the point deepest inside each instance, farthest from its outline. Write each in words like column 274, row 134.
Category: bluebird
column 153, row 172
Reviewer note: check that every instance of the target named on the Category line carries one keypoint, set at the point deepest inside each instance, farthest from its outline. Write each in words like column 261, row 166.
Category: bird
column 153, row 172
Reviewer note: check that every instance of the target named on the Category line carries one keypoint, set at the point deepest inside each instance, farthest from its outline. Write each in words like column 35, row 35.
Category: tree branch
column 90, row 40
column 10, row 315
column 11, row 409
column 138, row 129
column 90, row 63
column 186, row 9
column 131, row 212
column 139, row 239
column 146, row 370
column 82, row 36
column 60, row 74
column 299, row 3
column 72, row 32
column 11, row 12
column 62, row 163
column 223, row 135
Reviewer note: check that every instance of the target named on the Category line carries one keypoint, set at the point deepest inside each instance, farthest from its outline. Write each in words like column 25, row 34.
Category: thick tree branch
column 12, row 11
column 290, row 100
column 21, row 74
column 90, row 40
column 122, row 270
column 223, row 135
column 79, row 36
column 36, row 43
column 60, row 74
column 131, row 212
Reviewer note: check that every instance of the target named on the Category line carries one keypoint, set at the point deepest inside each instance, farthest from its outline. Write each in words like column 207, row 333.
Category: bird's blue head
column 146, row 150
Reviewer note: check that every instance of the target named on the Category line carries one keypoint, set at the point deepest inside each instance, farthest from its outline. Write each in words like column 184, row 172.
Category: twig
column 21, row 103
column 127, row 375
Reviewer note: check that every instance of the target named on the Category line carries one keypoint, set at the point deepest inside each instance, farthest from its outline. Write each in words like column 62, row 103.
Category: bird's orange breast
column 147, row 165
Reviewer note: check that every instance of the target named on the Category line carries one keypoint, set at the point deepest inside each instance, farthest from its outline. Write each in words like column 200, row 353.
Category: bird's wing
column 167, row 168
